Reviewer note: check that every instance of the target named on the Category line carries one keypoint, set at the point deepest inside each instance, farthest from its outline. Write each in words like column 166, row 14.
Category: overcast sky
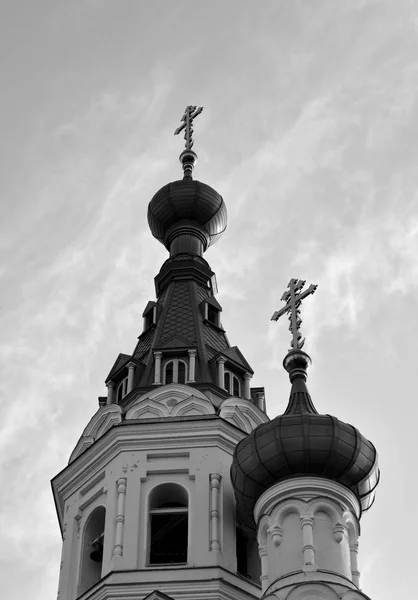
column 309, row 132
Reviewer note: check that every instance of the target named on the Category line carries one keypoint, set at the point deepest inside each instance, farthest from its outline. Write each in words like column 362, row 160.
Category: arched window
column 175, row 371
column 231, row 384
column 92, row 549
column 122, row 390
column 168, row 525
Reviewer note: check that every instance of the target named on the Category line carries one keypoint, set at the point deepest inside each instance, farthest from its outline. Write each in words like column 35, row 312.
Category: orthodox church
column 180, row 486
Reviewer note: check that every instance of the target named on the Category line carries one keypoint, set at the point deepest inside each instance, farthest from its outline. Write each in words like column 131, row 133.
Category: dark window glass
column 242, row 562
column 169, row 372
column 236, row 386
column 168, row 538
column 149, row 319
column 181, row 375
column 119, row 396
column 227, row 382
column 212, row 314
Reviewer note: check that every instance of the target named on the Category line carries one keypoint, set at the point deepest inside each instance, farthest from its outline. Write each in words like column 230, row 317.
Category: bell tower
column 146, row 505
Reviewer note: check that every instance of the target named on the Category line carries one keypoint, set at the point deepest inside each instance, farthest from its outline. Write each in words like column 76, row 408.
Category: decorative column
column 221, row 372
column 306, row 522
column 192, row 365
column 261, row 401
column 264, row 568
column 131, row 372
column 355, row 573
column 214, row 480
column 110, row 392
column 120, row 518
column 247, row 379
column 157, row 368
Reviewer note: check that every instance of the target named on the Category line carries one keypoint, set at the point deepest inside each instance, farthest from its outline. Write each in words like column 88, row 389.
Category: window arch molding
column 168, row 518
column 175, row 371
column 232, row 384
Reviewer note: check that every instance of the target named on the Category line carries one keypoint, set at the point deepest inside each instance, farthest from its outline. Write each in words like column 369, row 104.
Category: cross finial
column 188, row 157
column 293, row 298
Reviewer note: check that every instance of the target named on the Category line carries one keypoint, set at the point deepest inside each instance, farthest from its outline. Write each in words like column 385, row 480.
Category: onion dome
column 187, row 216
column 303, row 442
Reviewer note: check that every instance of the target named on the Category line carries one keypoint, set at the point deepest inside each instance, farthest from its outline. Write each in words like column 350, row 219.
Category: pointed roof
column 235, row 355
column 121, row 360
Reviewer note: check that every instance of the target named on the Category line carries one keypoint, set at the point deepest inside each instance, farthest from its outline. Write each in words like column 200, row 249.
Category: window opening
column 92, row 549
column 150, row 318
column 213, row 315
column 175, row 371
column 168, row 525
column 235, row 386
column 248, row 558
column 122, row 390
column 232, row 384
column 169, row 371
column 181, row 374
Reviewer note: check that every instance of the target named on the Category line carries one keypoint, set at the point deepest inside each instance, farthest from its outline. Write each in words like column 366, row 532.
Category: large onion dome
column 303, row 442
column 187, row 207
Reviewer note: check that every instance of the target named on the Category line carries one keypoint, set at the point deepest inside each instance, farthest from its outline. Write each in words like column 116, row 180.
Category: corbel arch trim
column 293, row 505
column 147, row 409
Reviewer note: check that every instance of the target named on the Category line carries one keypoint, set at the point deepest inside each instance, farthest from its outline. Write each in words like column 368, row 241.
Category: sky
column 309, row 132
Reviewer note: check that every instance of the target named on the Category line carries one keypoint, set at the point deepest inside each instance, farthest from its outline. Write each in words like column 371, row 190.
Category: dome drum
column 186, row 237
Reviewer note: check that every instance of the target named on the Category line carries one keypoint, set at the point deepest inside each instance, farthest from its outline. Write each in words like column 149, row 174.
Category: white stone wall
column 308, row 530
column 119, row 472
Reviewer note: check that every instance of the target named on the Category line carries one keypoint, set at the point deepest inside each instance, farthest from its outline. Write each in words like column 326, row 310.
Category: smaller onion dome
column 303, row 442
column 187, row 207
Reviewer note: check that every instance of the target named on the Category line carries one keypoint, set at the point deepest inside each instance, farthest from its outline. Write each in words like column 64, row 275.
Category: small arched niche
column 168, row 524
column 92, row 549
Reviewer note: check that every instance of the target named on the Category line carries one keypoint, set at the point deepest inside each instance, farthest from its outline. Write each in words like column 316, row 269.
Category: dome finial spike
column 293, row 298
column 188, row 157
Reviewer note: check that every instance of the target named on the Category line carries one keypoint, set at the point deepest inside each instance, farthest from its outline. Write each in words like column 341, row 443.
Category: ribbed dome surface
column 303, row 442
column 187, row 200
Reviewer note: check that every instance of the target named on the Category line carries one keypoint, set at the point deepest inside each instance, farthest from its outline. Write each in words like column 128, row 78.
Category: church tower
column 306, row 479
column 180, row 487
column 146, row 505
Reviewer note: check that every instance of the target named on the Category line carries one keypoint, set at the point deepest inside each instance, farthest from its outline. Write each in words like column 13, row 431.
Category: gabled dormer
column 150, row 315
column 211, row 312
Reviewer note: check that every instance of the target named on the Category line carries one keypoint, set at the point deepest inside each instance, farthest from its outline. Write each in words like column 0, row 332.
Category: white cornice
column 305, row 488
column 198, row 584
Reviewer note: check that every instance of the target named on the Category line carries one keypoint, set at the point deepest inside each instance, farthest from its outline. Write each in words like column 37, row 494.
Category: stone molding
column 306, row 490
column 141, row 436
column 307, row 496
column 170, row 401
column 106, row 417
column 242, row 413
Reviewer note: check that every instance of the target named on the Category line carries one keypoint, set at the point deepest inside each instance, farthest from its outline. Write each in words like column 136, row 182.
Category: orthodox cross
column 293, row 298
column 190, row 113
